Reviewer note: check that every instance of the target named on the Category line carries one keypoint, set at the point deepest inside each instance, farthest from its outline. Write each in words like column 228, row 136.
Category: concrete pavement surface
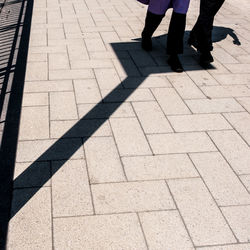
column 115, row 151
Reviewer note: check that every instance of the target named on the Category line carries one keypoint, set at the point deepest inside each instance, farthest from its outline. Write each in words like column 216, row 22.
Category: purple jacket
column 160, row 7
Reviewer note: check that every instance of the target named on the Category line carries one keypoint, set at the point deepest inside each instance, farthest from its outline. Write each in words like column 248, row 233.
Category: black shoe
column 175, row 63
column 206, row 58
column 146, row 43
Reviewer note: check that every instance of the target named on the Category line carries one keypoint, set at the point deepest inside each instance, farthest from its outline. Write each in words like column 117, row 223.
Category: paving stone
column 240, row 121
column 36, row 71
column 227, row 247
column 142, row 59
column 70, row 189
column 129, row 137
column 146, row 82
column 127, row 95
column 42, row 57
column 107, row 78
column 220, row 179
column 48, row 49
column 103, row 160
column 186, row 87
column 48, row 86
column 58, row 61
column 226, row 91
column 202, row 217
column 198, row 122
column 170, row 101
column 239, row 220
column 77, row 51
column 223, row 57
column 202, row 78
column 62, row 106
column 246, row 180
column 234, row 149
column 168, row 231
column 158, row 167
column 83, row 128
column 43, row 150
column 87, row 91
column 214, row 105
column 238, row 68
column 245, row 102
column 180, row 143
column 231, row 79
column 95, row 44
column 71, row 74
column 31, row 227
column 151, row 117
column 119, row 232
column 91, row 64
column 131, row 197
column 30, row 174
column 105, row 110
column 56, row 34
column 34, row 123
column 35, row 99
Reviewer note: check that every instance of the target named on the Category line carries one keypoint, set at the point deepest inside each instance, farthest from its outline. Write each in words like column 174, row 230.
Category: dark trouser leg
column 151, row 23
column 201, row 34
column 176, row 34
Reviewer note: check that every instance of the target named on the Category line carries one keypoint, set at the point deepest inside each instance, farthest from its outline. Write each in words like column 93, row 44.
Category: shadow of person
column 221, row 33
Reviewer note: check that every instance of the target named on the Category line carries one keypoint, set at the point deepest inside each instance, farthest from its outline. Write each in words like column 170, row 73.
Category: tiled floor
column 115, row 151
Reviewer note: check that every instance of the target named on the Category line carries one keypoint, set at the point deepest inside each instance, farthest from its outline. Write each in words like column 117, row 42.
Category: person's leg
column 175, row 40
column 176, row 33
column 156, row 12
column 201, row 34
column 151, row 23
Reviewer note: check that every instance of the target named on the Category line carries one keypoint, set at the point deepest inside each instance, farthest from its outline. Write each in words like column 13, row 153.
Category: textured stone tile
column 31, row 227
column 91, row 64
column 42, row 57
column 180, row 143
column 158, row 167
column 170, row 101
column 62, row 106
column 151, row 117
column 48, row 86
column 129, row 95
column 131, row 197
column 107, row 78
column 234, row 149
column 105, row 110
column 227, row 247
column 231, row 79
column 245, row 102
column 129, row 137
column 214, row 105
column 146, row 82
column 55, row 34
column 142, row 59
column 239, row 220
column 95, row 44
column 77, row 51
column 34, row 123
column 186, row 87
column 44, row 150
column 87, row 91
column 35, row 99
column 246, row 180
column 103, row 160
column 71, row 74
column 202, row 217
column 70, row 189
column 167, row 232
column 239, row 68
column 36, row 71
column 84, row 128
column 30, row 174
column 220, row 179
column 100, row 232
column 202, row 78
column 198, row 122
column 241, row 122
column 223, row 57
column 58, row 61
column 226, row 91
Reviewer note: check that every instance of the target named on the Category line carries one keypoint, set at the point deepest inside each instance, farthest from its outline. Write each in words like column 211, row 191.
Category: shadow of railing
column 66, row 146
column 15, row 23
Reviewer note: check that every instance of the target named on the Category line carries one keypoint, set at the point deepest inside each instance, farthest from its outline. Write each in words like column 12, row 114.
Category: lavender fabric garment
column 160, row 7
